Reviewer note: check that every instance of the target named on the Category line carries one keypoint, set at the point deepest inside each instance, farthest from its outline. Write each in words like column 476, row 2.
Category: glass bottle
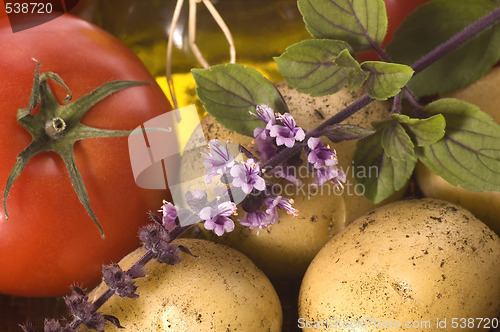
column 261, row 29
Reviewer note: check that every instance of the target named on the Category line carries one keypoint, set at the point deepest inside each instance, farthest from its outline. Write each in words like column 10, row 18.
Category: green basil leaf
column 346, row 132
column 469, row 153
column 435, row 22
column 230, row 92
column 392, row 174
column 358, row 22
column 423, row 131
column 396, row 142
column 309, row 66
column 356, row 75
column 385, row 80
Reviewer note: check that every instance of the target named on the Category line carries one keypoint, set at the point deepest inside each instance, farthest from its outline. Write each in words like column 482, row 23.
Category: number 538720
column 28, row 8
column 474, row 323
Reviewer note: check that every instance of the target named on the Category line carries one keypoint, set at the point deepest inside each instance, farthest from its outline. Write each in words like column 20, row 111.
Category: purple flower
column 339, row 179
column 266, row 146
column 265, row 114
column 218, row 159
column 287, row 134
column 333, row 174
column 320, row 154
column 260, row 133
column 216, row 218
column 285, row 204
column 170, row 213
column 247, row 176
column 257, row 219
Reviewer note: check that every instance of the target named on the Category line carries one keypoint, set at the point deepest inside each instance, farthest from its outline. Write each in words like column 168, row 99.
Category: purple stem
column 449, row 46
column 381, row 53
column 414, row 102
column 457, row 41
column 148, row 256
column 397, row 104
column 109, row 293
column 347, row 112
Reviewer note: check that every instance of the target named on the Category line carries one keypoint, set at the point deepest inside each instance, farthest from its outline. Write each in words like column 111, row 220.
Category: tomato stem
column 54, row 127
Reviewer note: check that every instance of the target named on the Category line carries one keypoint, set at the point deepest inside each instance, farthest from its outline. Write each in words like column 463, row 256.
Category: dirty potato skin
column 413, row 260
column 484, row 93
column 485, row 205
column 284, row 250
column 219, row 290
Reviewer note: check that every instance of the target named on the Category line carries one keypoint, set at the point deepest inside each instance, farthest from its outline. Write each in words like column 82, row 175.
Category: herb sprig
column 326, row 64
column 456, row 140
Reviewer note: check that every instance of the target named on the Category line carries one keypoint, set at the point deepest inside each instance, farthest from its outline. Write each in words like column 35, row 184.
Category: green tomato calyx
column 57, row 127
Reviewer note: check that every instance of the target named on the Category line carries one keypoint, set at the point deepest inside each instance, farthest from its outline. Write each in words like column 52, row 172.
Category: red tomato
column 49, row 242
column 397, row 10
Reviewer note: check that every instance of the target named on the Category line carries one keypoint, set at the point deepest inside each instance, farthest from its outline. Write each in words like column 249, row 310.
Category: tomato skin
column 49, row 242
column 397, row 10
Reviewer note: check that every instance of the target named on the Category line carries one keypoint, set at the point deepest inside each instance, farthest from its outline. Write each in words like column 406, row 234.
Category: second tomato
column 397, row 10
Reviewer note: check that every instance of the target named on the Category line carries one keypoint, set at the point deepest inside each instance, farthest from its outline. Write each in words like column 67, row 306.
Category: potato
column 426, row 262
column 485, row 205
column 220, row 290
column 286, row 249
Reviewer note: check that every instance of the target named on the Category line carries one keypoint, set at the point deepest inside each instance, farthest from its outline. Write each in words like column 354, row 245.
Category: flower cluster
column 82, row 310
column 242, row 182
column 170, row 213
column 245, row 178
column 323, row 161
column 280, row 132
column 218, row 160
column 260, row 205
column 262, row 219
column 214, row 214
column 122, row 282
column 274, row 135
column 79, row 305
column 157, row 240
